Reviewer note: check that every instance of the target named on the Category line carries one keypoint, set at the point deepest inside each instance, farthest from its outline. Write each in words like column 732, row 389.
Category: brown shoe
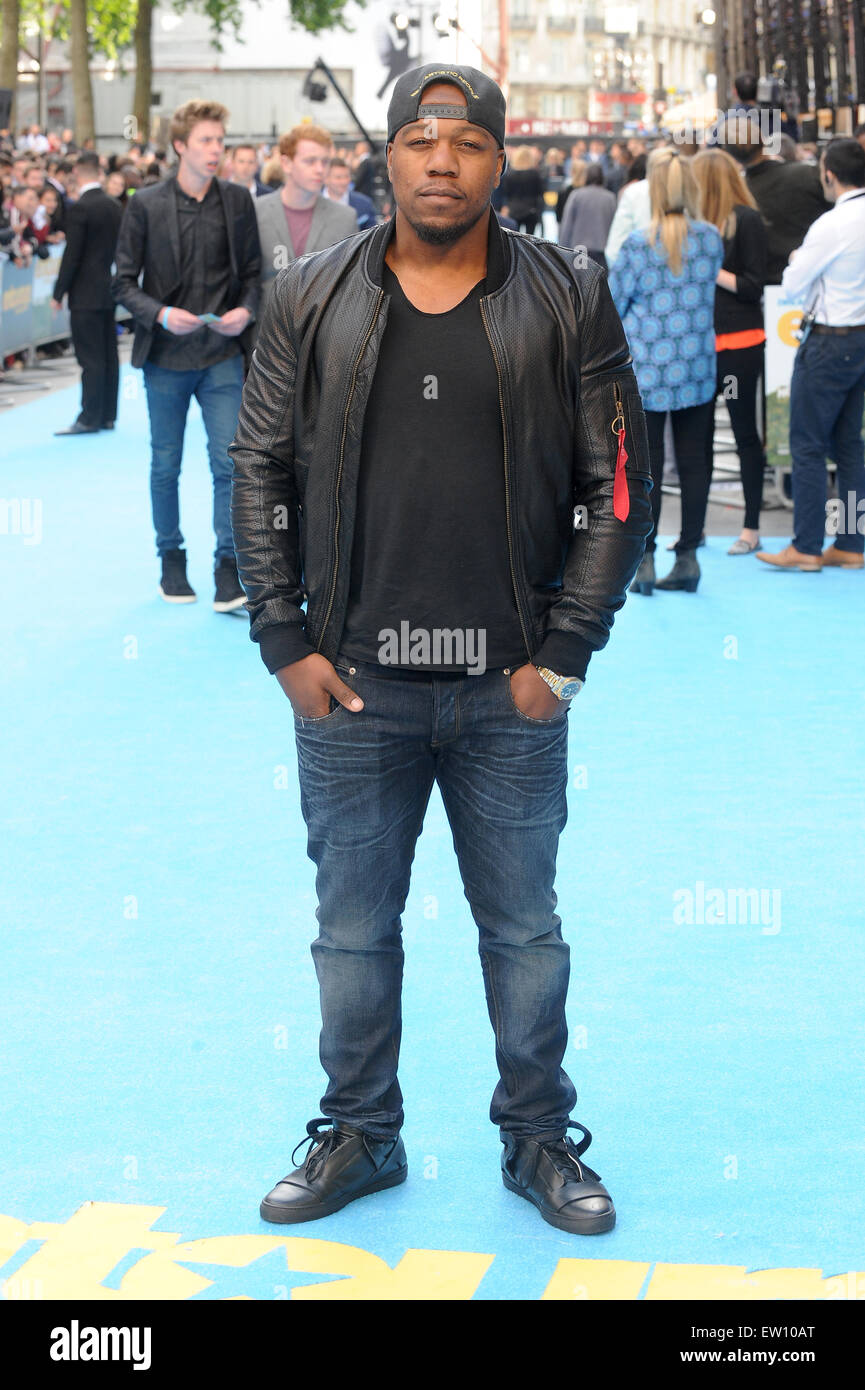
column 843, row 559
column 791, row 559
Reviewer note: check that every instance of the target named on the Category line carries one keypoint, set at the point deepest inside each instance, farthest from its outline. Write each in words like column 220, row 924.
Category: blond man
column 195, row 237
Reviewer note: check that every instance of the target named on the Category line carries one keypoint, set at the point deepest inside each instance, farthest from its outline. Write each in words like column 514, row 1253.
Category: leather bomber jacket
column 565, row 379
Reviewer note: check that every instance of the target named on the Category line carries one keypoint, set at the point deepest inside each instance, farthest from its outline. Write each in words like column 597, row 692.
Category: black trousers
column 94, row 338
column 739, row 372
column 695, row 471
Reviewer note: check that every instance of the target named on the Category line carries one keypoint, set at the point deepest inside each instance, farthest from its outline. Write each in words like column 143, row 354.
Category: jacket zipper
column 507, row 481
column 357, row 363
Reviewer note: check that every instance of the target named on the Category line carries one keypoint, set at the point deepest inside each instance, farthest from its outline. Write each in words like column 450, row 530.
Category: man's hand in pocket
column 310, row 683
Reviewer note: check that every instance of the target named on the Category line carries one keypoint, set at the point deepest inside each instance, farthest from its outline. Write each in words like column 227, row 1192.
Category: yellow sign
column 76, row 1257
column 787, row 325
column 14, row 300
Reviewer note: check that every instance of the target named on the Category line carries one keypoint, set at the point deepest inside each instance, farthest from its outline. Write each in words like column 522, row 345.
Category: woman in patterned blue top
column 663, row 284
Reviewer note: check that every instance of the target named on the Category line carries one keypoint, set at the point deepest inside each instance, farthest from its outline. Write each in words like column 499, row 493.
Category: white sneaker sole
column 177, row 598
column 229, row 605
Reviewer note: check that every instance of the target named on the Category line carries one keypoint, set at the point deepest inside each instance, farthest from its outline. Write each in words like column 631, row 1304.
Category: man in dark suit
column 336, row 188
column 789, row 196
column 92, row 225
column 195, row 237
column 244, row 171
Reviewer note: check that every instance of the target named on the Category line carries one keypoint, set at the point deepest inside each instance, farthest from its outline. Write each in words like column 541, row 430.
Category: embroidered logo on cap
column 445, row 72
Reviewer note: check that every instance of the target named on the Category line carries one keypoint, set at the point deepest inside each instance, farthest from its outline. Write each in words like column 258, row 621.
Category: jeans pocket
column 302, row 720
column 528, row 719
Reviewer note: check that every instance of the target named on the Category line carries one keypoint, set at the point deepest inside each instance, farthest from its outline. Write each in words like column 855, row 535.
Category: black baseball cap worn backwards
column 485, row 99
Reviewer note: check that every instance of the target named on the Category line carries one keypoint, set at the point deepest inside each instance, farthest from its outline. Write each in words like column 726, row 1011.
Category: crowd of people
column 689, row 234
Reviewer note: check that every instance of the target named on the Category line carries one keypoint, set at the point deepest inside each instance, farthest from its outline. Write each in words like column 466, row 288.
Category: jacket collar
column 498, row 253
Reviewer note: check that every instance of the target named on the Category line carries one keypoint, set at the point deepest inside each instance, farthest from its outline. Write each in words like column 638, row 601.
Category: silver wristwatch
column 563, row 687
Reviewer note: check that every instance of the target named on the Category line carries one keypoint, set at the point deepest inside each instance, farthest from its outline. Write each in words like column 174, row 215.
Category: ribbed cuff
column 566, row 653
column 282, row 644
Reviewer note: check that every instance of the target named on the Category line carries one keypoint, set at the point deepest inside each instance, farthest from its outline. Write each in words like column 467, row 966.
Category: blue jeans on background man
column 827, row 398
column 218, row 390
column 365, row 781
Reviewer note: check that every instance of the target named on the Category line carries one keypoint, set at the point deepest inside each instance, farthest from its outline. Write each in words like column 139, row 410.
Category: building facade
column 582, row 66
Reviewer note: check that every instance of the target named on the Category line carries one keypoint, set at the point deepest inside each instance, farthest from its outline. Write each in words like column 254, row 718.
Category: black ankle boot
column 644, row 579
column 685, row 573
column 549, row 1174
column 175, row 587
column 229, row 595
column 342, row 1165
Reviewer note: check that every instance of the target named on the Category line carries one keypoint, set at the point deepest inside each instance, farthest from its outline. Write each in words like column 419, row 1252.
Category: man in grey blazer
column 297, row 218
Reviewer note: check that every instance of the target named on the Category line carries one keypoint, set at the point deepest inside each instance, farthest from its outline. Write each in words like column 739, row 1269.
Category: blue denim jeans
column 365, row 781
column 827, row 396
column 218, row 390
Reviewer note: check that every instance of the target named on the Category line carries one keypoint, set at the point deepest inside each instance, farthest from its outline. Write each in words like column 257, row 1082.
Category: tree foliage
column 111, row 23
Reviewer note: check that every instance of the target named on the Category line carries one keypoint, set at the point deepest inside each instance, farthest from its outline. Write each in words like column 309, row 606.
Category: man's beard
column 447, row 234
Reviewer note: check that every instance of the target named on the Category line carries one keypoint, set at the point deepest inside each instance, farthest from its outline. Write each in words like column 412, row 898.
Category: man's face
column 338, row 180
column 596, row 147
column 27, row 201
column 443, row 170
column 18, row 167
column 244, row 165
column 310, row 166
column 35, row 179
column 201, row 155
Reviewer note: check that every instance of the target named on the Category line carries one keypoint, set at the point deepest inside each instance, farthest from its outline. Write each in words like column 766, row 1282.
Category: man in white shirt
column 827, row 393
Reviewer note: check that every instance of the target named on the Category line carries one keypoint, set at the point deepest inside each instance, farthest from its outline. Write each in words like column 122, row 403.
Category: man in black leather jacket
column 432, row 405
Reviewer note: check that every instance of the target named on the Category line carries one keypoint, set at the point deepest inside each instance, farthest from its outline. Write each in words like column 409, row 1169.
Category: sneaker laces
column 565, row 1154
column 323, row 1145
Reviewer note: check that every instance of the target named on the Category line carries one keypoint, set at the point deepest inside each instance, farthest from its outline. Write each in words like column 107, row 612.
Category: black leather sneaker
column 175, row 587
column 567, row 1193
column 229, row 594
column 342, row 1165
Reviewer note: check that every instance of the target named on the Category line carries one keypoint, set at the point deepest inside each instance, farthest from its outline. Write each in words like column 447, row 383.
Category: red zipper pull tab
column 621, row 496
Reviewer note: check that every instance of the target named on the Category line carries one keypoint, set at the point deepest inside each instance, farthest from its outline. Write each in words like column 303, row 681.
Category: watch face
column 569, row 689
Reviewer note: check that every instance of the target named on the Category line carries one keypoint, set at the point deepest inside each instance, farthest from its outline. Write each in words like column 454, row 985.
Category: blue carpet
column 160, row 1002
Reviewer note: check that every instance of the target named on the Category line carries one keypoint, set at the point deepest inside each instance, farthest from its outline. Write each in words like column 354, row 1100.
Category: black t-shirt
column 430, row 552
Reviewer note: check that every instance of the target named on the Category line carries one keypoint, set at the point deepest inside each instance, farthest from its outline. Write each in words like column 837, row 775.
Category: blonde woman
column 740, row 339
column 523, row 190
column 272, row 175
column 663, row 285
column 579, row 169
